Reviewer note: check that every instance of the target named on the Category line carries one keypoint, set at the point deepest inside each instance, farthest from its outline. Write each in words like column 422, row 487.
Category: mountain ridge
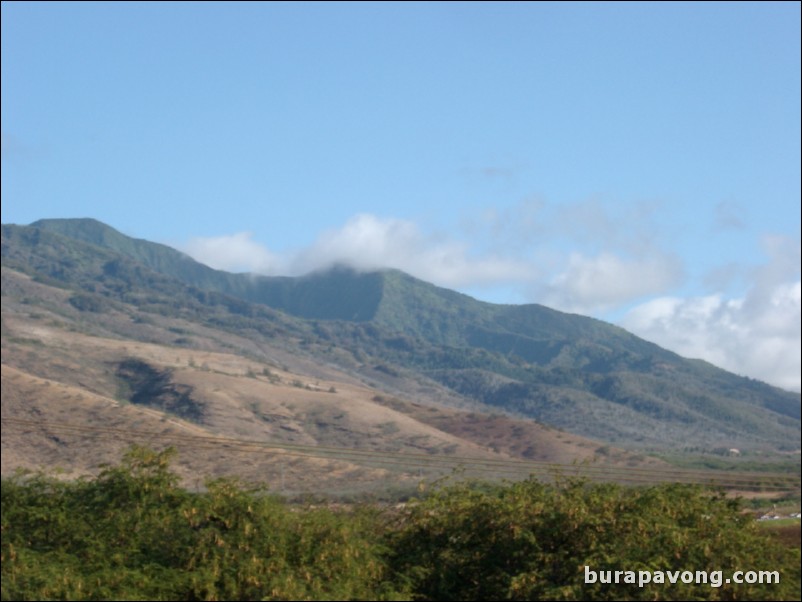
column 570, row 371
column 349, row 294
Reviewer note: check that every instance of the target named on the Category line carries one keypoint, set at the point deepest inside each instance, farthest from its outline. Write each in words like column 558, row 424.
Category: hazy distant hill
column 570, row 371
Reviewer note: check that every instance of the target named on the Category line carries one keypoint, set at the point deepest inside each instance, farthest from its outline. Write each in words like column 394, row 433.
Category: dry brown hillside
column 78, row 389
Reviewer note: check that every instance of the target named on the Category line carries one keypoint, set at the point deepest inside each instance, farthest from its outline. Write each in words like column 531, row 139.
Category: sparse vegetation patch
column 150, row 386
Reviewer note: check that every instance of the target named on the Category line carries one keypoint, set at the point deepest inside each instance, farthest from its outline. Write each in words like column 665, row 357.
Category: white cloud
column 757, row 335
column 586, row 257
column 569, row 281
column 233, row 253
column 364, row 242
column 605, row 281
column 368, row 242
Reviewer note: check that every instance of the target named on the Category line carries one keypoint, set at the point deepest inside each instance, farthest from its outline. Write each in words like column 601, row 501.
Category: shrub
column 531, row 541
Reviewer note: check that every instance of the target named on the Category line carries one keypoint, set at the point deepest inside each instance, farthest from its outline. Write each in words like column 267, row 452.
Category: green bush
column 133, row 533
column 532, row 541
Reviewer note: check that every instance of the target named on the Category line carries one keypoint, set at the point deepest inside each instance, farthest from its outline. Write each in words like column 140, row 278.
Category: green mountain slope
column 570, row 371
column 341, row 295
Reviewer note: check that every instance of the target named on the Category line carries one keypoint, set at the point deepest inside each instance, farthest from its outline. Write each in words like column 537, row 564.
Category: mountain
column 99, row 352
column 569, row 371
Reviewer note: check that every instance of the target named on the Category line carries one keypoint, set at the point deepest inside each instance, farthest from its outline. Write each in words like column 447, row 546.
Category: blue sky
column 635, row 162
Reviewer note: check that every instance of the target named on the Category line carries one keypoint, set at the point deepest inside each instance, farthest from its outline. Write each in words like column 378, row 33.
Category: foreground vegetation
column 134, row 533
